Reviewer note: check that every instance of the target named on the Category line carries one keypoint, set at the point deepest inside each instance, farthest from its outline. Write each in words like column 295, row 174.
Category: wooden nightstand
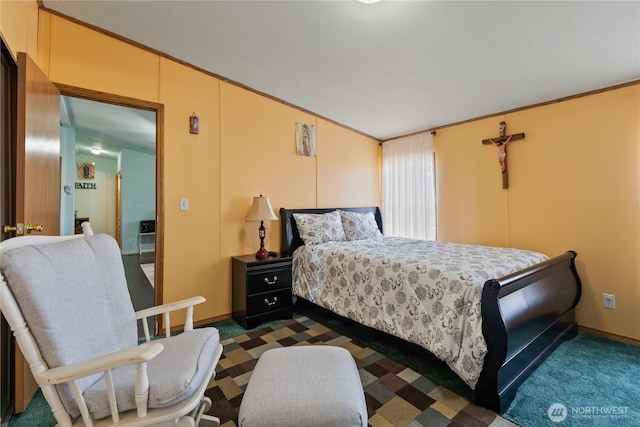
column 261, row 289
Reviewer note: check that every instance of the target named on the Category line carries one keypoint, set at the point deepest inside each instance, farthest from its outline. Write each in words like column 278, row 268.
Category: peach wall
column 574, row 185
column 246, row 147
column 471, row 205
column 192, row 170
column 258, row 153
column 85, row 58
column 345, row 173
column 19, row 26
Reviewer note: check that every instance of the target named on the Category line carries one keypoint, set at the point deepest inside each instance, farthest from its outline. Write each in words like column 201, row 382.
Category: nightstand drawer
column 261, row 289
column 269, row 301
column 268, row 280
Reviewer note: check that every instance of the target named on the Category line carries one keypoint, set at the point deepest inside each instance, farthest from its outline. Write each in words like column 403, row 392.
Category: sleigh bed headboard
column 291, row 236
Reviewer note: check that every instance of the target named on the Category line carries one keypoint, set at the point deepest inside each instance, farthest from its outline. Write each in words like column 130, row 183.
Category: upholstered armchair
column 67, row 303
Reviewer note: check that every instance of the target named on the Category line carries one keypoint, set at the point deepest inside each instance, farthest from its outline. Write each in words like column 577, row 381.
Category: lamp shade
column 261, row 210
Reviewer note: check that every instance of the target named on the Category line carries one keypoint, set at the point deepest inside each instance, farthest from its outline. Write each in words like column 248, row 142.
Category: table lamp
column 261, row 211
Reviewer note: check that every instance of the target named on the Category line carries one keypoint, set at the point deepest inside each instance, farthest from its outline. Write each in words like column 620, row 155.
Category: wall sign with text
column 86, row 186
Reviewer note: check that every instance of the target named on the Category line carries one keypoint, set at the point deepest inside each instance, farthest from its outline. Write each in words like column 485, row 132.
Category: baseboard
column 609, row 335
column 212, row 320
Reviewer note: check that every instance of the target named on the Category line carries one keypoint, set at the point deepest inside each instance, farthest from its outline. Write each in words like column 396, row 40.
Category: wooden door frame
column 118, row 207
column 93, row 95
column 7, row 200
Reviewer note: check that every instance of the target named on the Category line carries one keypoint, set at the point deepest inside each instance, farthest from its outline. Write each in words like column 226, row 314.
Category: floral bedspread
column 425, row 292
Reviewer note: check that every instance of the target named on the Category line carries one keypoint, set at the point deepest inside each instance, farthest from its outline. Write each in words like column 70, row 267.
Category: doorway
column 116, row 142
column 102, row 142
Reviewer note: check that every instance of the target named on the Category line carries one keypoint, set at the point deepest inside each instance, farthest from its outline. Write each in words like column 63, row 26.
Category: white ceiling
column 108, row 127
column 393, row 67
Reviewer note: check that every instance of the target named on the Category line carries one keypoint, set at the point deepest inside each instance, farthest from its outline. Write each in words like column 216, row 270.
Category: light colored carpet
column 149, row 271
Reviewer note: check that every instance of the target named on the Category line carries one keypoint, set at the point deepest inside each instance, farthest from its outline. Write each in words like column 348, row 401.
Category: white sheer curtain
column 408, row 187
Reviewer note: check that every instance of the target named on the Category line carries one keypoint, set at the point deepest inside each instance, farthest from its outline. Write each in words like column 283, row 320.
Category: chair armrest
column 165, row 309
column 138, row 354
column 172, row 306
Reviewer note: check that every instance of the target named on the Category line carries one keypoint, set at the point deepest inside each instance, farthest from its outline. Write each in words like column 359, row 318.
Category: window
column 408, row 187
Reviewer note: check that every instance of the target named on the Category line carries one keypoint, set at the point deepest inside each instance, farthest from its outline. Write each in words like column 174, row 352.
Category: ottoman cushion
column 304, row 386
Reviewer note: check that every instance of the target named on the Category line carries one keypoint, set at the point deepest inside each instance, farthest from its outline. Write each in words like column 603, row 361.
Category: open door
column 35, row 192
column 38, row 150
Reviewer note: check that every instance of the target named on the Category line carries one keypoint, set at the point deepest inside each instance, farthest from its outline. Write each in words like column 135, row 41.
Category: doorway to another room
column 109, row 178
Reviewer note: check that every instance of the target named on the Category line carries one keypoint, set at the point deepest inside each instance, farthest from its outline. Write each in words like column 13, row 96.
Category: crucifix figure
column 502, row 142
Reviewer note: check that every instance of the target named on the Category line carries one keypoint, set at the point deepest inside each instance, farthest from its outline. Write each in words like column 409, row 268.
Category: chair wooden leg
column 204, row 420
column 209, row 421
column 182, row 422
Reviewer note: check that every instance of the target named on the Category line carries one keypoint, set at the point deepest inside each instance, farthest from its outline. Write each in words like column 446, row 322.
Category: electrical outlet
column 184, row 204
column 609, row 301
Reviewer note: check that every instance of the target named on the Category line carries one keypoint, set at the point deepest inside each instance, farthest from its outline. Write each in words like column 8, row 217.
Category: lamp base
column 262, row 254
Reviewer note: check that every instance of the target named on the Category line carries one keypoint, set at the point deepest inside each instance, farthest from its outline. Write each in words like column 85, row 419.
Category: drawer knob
column 275, row 300
column 272, row 282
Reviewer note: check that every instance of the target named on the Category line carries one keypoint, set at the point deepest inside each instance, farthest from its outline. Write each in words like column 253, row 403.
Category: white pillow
column 320, row 228
column 359, row 226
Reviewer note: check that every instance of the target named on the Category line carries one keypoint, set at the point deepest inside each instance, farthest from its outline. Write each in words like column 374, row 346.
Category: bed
column 505, row 326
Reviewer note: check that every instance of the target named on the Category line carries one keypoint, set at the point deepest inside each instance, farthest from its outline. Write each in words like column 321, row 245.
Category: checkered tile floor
column 395, row 394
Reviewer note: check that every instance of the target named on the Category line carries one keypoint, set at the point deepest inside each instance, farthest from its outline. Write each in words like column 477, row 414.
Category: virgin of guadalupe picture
column 306, row 139
column 86, row 170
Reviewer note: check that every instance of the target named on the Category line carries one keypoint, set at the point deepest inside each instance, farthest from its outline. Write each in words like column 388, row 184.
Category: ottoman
column 308, row 386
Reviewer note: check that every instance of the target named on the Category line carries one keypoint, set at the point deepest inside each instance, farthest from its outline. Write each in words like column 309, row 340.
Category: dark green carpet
column 597, row 380
column 590, row 381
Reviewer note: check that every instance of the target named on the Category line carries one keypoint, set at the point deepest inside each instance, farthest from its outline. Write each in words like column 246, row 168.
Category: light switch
column 184, row 204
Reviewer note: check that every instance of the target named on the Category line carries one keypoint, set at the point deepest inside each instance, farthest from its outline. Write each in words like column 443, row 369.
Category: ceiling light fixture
column 96, row 151
column 369, row 1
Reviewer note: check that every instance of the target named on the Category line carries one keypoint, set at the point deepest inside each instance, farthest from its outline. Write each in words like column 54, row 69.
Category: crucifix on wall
column 502, row 142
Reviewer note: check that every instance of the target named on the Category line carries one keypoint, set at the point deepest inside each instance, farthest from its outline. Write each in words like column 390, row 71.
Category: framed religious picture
column 306, row 139
column 194, row 124
column 86, row 170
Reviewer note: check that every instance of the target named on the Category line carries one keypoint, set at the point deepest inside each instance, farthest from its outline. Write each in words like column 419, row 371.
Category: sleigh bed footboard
column 525, row 315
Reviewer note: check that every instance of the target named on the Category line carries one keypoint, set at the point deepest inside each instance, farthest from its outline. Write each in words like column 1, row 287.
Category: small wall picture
column 306, row 139
column 86, row 170
column 194, row 124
